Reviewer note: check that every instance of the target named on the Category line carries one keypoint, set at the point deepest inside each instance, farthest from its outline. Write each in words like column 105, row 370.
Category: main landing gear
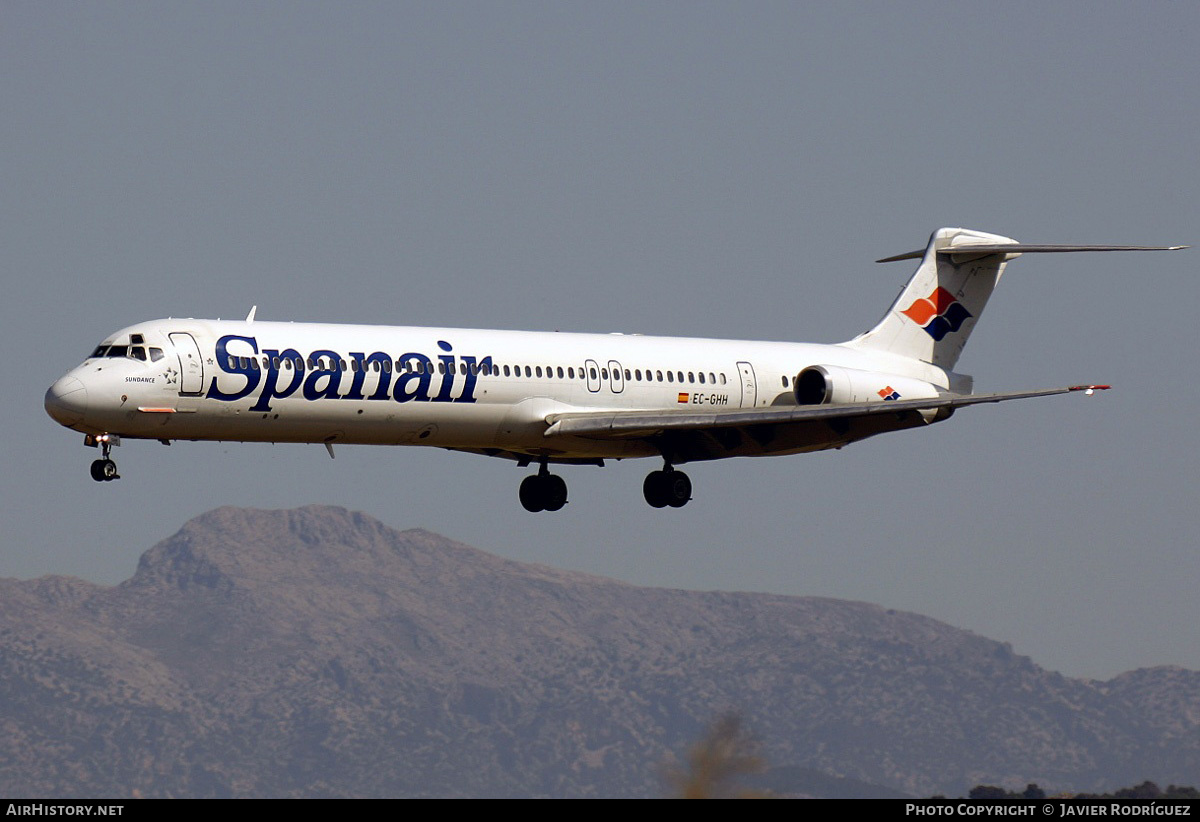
column 667, row 487
column 104, row 469
column 547, row 492
column 543, row 491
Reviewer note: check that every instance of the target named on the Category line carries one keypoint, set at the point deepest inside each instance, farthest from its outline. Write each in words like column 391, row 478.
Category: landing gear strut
column 104, row 469
column 543, row 491
column 667, row 487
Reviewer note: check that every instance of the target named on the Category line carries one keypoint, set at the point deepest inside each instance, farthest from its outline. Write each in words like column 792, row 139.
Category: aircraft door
column 191, row 366
column 592, row 369
column 749, row 385
column 616, row 377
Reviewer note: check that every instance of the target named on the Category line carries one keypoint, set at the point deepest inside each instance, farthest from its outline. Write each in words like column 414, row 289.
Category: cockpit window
column 138, row 351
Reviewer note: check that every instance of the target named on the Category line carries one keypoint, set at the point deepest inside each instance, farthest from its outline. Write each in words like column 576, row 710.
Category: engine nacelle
column 822, row 384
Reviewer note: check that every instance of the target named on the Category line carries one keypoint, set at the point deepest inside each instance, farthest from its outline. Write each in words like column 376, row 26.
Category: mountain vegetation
column 317, row 652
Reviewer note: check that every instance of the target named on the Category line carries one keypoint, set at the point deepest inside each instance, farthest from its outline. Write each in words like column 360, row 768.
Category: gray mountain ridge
column 317, row 652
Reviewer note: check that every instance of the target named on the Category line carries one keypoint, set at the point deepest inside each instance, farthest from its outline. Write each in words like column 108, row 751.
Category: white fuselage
column 550, row 397
column 484, row 391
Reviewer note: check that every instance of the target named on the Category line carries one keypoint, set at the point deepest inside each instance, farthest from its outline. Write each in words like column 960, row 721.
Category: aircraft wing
column 618, row 424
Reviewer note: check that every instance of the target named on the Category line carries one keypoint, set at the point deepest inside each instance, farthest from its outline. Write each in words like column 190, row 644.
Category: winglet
column 250, row 316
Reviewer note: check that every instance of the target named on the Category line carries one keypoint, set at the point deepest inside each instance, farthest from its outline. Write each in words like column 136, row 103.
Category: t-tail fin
column 938, row 309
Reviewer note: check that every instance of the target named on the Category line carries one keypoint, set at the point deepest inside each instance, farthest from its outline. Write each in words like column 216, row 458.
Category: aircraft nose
column 66, row 401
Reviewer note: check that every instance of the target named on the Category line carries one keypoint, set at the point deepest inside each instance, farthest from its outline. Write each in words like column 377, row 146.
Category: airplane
column 550, row 398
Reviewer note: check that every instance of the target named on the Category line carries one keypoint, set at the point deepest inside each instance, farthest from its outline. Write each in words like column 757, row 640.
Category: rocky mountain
column 316, row 652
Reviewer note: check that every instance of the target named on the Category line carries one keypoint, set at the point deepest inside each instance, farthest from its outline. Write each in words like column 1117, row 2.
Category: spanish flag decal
column 683, row 396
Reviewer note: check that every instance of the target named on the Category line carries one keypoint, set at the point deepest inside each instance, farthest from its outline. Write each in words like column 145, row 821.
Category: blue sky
column 693, row 169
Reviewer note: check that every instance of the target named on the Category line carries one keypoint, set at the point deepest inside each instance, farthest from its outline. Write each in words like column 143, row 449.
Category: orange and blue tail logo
column 939, row 313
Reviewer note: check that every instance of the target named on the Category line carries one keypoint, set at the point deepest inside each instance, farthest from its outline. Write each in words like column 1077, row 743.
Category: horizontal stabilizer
column 1025, row 248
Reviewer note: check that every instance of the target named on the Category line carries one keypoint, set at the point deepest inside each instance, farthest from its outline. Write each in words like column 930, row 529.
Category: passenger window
column 670, row 377
column 680, row 373
column 712, row 378
column 604, row 373
column 560, row 372
column 627, row 374
column 253, row 360
column 785, row 382
column 702, row 378
column 659, row 377
column 594, row 375
column 506, row 370
column 638, row 373
column 528, row 371
column 571, row 372
column 287, row 363
column 539, row 371
column 691, row 377
column 722, row 378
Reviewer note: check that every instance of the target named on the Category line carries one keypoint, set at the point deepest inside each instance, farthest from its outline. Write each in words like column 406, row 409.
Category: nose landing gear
column 543, row 491
column 104, row 469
